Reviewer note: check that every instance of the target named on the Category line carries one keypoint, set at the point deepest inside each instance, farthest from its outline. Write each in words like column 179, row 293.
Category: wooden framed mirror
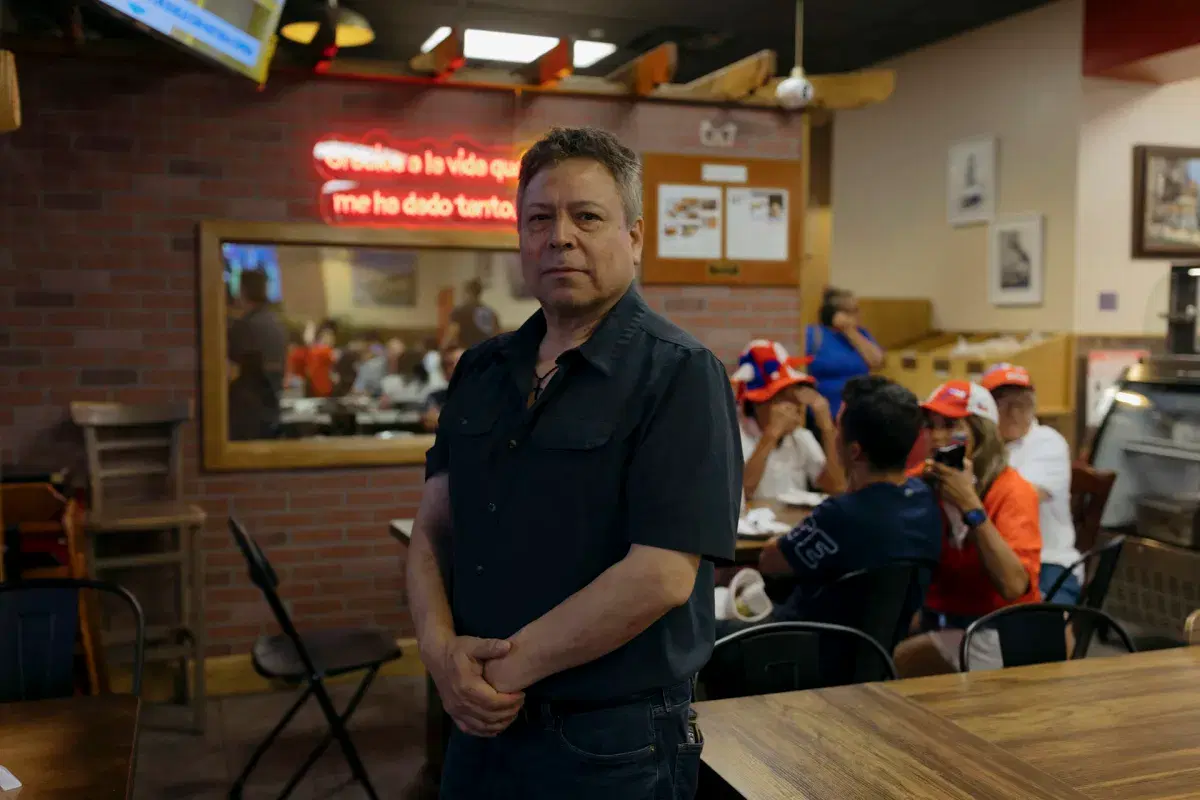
column 327, row 346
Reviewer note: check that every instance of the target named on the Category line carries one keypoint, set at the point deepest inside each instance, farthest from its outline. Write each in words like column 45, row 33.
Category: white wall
column 1018, row 80
column 1118, row 116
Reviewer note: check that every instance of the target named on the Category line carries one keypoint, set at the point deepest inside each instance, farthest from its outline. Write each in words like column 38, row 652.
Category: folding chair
column 310, row 659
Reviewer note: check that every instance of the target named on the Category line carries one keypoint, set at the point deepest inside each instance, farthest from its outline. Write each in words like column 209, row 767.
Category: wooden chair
column 134, row 460
column 1090, row 489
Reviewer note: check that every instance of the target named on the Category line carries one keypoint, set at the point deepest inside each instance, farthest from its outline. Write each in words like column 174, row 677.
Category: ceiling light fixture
column 518, row 48
column 353, row 29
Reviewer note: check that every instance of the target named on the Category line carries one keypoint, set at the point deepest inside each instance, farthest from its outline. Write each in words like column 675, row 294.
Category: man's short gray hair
column 563, row 144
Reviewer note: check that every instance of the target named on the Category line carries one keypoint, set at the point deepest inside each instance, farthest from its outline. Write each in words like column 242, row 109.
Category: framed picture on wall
column 1166, row 202
column 971, row 182
column 1015, row 261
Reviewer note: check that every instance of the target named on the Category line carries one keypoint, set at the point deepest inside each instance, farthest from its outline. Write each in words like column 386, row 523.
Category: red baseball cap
column 960, row 399
column 1006, row 375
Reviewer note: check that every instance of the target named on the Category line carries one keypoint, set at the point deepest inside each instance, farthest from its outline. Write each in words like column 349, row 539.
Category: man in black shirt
column 472, row 322
column 585, row 475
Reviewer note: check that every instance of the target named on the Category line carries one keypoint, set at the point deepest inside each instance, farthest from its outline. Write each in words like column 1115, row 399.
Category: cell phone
column 952, row 455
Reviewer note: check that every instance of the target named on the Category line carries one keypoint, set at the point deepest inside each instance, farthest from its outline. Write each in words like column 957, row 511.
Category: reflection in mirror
column 356, row 341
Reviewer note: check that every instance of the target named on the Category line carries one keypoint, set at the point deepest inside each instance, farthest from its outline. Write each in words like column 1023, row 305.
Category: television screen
column 241, row 258
column 239, row 34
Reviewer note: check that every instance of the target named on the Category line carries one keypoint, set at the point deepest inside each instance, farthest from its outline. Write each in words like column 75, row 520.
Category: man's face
column 577, row 253
column 1016, row 407
column 450, row 361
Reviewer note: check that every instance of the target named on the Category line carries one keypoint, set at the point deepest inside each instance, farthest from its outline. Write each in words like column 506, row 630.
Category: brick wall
column 100, row 195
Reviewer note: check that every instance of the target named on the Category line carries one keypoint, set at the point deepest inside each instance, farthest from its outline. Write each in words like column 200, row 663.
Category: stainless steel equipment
column 1150, row 437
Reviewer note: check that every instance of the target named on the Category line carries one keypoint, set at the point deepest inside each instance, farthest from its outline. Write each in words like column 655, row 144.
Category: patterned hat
column 764, row 368
column 960, row 399
column 1006, row 375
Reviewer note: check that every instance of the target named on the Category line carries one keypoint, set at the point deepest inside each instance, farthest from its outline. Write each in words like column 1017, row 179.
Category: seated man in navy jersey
column 883, row 518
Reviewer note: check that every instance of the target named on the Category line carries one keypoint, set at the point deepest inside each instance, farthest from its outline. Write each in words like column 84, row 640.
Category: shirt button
column 462, row 421
column 478, row 569
column 491, row 506
column 512, row 444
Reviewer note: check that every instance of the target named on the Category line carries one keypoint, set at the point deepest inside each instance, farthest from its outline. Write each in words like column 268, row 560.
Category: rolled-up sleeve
column 685, row 477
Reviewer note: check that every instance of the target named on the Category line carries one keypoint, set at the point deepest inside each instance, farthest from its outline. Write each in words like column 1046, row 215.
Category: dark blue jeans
column 1067, row 593
column 636, row 751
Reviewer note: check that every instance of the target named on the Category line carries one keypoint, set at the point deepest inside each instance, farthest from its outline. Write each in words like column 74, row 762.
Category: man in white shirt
column 782, row 456
column 1042, row 457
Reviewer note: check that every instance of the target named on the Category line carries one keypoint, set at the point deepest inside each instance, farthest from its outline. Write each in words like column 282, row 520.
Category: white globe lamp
column 795, row 91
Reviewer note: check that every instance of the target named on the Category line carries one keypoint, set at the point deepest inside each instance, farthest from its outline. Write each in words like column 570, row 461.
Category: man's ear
column 637, row 235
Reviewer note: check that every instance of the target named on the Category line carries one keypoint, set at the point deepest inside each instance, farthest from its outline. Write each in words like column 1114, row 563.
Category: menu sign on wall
column 423, row 183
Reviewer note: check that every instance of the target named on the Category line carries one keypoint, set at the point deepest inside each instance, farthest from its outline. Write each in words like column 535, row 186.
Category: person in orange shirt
column 319, row 361
column 992, row 550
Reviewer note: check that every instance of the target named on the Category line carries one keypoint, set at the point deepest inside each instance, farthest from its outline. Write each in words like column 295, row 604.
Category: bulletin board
column 723, row 221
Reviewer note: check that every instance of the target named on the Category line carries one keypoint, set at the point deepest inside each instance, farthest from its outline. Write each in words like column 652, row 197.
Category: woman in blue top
column 839, row 348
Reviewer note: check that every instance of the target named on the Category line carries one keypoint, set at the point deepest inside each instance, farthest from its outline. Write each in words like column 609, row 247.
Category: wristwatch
column 975, row 517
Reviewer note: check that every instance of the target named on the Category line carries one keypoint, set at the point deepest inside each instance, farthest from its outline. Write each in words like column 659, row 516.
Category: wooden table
column 747, row 551
column 71, row 749
column 1125, row 728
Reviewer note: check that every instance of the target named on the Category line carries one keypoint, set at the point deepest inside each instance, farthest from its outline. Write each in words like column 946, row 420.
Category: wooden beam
column 444, row 59
column 556, row 64
column 840, row 92
column 730, row 83
column 647, row 72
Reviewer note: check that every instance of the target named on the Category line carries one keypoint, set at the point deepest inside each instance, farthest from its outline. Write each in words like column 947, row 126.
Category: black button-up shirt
column 633, row 441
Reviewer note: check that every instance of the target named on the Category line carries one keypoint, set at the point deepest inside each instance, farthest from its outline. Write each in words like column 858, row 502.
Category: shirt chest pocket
column 474, row 441
column 580, row 457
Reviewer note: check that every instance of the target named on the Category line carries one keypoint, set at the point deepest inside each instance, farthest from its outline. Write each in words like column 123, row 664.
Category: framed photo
column 971, row 182
column 1015, row 263
column 1166, row 202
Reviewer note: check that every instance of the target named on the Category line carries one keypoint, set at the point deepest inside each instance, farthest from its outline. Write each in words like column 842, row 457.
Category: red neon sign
column 377, row 181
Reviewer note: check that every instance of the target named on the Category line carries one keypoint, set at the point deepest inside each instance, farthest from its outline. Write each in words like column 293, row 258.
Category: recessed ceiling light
column 588, row 53
column 435, row 38
column 518, row 48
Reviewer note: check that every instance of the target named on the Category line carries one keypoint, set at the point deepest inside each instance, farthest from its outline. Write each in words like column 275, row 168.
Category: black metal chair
column 1036, row 633
column 39, row 626
column 791, row 656
column 878, row 601
column 1097, row 579
column 309, row 659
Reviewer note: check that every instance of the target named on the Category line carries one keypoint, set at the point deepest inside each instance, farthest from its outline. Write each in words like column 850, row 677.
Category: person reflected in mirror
column 437, row 397
column 471, row 322
column 319, row 360
column 258, row 349
column 371, row 368
column 782, row 456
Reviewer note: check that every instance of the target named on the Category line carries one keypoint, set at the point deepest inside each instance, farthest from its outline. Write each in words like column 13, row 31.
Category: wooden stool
column 134, row 465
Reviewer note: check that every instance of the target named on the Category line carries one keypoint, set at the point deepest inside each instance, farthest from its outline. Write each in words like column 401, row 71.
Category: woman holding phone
column 992, row 546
